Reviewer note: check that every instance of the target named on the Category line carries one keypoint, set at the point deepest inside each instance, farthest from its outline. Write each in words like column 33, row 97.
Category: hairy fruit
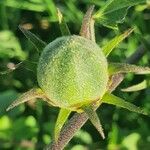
column 72, row 71
column 73, row 74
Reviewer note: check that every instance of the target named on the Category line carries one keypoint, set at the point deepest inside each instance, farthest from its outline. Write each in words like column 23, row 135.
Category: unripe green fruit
column 72, row 71
column 73, row 74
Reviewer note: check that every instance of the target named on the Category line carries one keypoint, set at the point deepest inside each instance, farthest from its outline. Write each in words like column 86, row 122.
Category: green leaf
column 29, row 95
column 38, row 43
column 114, row 100
column 51, row 9
column 62, row 24
column 136, row 87
column 114, row 11
column 94, row 119
column 133, row 139
column 113, row 136
column 115, row 41
column 37, row 6
column 143, row 40
column 84, row 136
column 3, row 17
column 115, row 68
column 10, row 46
column 61, row 119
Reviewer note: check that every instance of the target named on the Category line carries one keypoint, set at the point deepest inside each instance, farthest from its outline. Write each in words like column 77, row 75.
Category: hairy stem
column 78, row 120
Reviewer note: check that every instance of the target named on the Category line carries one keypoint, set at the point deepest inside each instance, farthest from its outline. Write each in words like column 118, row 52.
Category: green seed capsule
column 72, row 71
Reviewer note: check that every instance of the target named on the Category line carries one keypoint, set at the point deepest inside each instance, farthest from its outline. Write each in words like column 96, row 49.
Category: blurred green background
column 30, row 126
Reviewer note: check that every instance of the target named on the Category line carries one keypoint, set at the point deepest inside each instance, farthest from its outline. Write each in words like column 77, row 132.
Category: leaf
column 143, row 40
column 94, row 119
column 84, row 136
column 115, row 41
column 115, row 68
column 51, row 9
column 136, row 87
column 133, row 139
column 36, row 6
column 10, row 46
column 113, row 135
column 114, row 100
column 3, row 17
column 38, row 43
column 62, row 24
column 61, row 119
column 29, row 95
column 114, row 11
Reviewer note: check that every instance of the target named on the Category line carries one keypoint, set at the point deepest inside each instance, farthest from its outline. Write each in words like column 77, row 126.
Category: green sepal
column 27, row 96
column 115, row 41
column 62, row 24
column 114, row 100
column 137, row 87
column 61, row 119
column 115, row 68
column 38, row 43
column 89, row 110
column 87, row 27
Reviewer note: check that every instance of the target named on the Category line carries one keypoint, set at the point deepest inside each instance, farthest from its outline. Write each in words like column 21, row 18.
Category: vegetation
column 31, row 126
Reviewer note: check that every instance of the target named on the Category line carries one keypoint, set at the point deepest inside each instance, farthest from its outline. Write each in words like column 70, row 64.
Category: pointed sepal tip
column 89, row 110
